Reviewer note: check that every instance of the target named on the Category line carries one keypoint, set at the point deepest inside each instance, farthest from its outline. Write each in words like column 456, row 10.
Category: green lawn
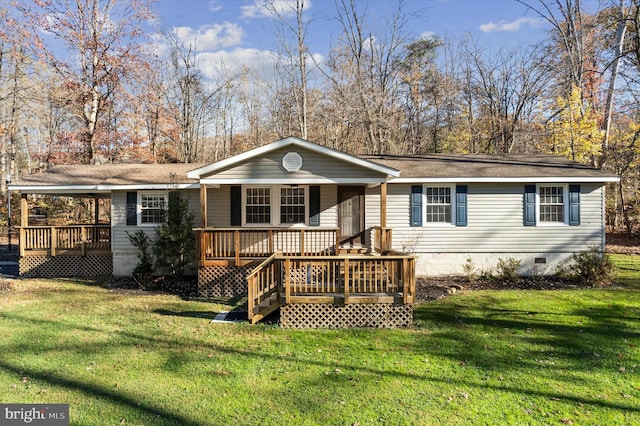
column 490, row 357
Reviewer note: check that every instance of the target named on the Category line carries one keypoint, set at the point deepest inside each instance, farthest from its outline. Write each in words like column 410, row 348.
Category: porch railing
column 216, row 244
column 328, row 279
column 65, row 240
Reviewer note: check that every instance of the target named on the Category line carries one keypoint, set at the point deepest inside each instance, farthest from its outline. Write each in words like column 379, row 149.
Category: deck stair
column 266, row 307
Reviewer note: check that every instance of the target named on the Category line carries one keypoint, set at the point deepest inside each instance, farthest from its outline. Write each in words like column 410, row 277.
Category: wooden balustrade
column 355, row 278
column 242, row 244
column 330, row 279
column 65, row 240
column 382, row 238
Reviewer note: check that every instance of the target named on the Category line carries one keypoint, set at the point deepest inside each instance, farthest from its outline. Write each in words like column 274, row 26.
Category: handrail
column 270, row 283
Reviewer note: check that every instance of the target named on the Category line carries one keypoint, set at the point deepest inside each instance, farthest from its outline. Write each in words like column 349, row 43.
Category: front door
column 351, row 214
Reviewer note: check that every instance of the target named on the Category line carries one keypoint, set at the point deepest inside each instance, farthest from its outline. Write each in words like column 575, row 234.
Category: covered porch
column 64, row 250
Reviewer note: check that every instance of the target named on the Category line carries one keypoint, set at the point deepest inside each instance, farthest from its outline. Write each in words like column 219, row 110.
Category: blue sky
column 239, row 33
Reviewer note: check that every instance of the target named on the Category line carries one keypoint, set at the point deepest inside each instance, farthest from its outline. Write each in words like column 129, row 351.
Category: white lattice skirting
column 316, row 315
column 66, row 266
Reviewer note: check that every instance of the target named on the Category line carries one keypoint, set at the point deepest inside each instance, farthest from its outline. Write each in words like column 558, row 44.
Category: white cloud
column 210, row 37
column 512, row 26
column 214, row 5
column 260, row 64
column 223, row 64
column 268, row 8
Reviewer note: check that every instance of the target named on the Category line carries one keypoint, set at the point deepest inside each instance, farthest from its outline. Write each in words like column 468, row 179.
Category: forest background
column 83, row 81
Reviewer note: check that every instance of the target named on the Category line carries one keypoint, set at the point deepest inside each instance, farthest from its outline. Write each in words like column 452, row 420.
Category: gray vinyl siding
column 120, row 240
column 314, row 166
column 219, row 206
column 495, row 223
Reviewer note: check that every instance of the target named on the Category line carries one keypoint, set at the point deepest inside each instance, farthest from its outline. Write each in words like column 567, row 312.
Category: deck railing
column 263, row 283
column 65, row 240
column 332, row 279
column 216, row 244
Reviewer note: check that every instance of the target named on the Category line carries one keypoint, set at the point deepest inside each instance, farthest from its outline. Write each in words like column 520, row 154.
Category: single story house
column 298, row 203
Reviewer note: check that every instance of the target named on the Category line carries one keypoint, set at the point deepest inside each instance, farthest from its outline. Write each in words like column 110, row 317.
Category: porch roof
column 103, row 178
column 490, row 168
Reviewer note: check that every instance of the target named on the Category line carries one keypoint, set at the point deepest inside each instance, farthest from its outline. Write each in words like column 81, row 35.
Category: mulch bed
column 434, row 288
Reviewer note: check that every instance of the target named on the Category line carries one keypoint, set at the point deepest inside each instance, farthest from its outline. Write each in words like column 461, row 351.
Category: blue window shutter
column 236, row 206
column 132, row 207
column 574, row 205
column 529, row 205
column 461, row 205
column 314, row 206
column 415, row 204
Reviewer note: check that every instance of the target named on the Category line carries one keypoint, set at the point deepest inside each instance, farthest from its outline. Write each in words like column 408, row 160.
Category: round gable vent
column 292, row 162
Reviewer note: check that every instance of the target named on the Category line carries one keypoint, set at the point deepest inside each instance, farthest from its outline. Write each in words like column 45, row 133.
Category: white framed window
column 275, row 205
column 439, row 202
column 257, row 206
column 293, row 205
column 152, row 207
column 552, row 208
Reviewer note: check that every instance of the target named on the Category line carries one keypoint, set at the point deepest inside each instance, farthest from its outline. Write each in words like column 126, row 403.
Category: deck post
column 83, row 240
column 237, row 244
column 346, row 280
column 287, row 280
column 23, row 240
column 53, row 241
column 405, row 279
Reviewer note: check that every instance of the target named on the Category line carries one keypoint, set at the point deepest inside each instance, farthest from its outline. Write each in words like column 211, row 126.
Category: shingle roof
column 111, row 174
column 427, row 166
column 488, row 166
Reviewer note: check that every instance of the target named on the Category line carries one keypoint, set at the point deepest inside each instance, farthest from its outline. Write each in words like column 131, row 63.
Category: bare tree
column 363, row 75
column 505, row 89
column 103, row 39
column 295, row 57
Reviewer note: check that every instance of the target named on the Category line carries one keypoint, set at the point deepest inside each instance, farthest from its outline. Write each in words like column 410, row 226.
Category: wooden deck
column 337, row 280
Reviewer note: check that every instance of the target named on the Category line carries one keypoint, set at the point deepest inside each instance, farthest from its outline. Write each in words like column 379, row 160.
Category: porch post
column 24, row 210
column 383, row 205
column 96, row 211
column 203, row 206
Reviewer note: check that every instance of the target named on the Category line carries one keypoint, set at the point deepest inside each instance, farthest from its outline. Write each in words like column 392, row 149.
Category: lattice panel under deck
column 66, row 266
column 223, row 281
column 316, row 315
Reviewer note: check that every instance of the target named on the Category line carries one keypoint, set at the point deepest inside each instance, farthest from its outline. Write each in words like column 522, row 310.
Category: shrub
column 143, row 270
column 174, row 245
column 470, row 272
column 591, row 267
column 507, row 269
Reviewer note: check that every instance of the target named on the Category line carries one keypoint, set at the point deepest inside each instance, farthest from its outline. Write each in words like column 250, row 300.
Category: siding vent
column 292, row 162
column 540, row 260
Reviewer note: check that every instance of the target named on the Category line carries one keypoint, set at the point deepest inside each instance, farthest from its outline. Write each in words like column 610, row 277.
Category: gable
column 294, row 164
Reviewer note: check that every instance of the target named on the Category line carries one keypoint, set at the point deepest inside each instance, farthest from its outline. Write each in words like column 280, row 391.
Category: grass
column 490, row 357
